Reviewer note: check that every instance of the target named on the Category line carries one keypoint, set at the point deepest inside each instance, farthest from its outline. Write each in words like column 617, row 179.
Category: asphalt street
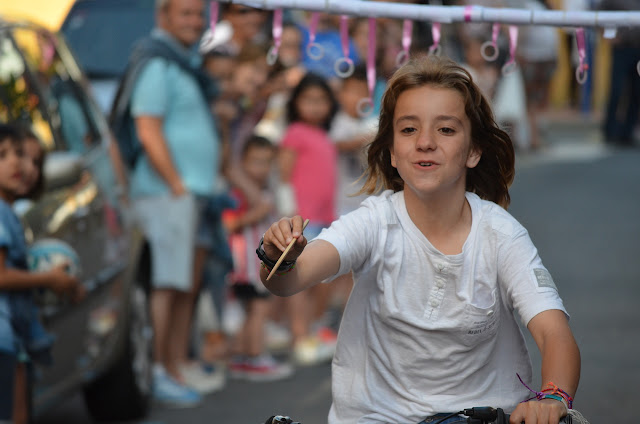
column 581, row 204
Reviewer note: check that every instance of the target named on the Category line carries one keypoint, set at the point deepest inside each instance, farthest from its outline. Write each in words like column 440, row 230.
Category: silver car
column 103, row 343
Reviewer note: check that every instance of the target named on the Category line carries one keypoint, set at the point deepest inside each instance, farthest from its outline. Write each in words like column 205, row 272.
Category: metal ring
column 364, row 107
column 509, row 68
column 272, row 56
column 350, row 67
column 402, row 58
column 435, row 50
column 581, row 75
column 315, row 51
column 638, row 67
column 485, row 55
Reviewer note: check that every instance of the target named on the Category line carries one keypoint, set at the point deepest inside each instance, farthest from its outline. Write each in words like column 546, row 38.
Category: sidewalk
column 567, row 135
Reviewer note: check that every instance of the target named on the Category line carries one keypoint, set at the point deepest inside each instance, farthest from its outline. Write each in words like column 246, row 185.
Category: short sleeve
column 6, row 239
column 527, row 282
column 150, row 95
column 353, row 235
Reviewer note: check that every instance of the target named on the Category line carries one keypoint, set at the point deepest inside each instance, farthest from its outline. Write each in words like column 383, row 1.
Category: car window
column 101, row 33
column 57, row 92
column 19, row 101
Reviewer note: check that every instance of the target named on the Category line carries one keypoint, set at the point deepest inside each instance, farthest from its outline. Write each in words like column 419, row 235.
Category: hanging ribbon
column 314, row 50
column 435, row 34
column 407, row 32
column 511, row 64
column 272, row 56
column 365, row 106
column 213, row 17
column 344, row 40
column 581, row 70
column 493, row 45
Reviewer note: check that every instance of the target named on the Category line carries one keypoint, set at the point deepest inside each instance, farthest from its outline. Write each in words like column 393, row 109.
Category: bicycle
column 476, row 415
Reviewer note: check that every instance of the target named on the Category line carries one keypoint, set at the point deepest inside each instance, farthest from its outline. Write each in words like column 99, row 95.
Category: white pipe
column 449, row 14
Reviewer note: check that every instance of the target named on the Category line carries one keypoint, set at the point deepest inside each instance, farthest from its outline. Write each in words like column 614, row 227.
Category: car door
column 80, row 205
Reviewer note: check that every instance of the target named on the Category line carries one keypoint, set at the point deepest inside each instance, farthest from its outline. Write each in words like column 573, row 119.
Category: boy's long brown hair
column 495, row 171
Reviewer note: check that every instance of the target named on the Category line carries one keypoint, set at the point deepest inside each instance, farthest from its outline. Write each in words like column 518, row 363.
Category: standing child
column 246, row 224
column 307, row 168
column 440, row 269
column 19, row 329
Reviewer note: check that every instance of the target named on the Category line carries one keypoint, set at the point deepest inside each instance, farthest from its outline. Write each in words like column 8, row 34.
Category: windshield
column 102, row 33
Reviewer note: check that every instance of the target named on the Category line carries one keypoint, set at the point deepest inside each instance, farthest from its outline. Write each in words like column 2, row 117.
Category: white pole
column 449, row 14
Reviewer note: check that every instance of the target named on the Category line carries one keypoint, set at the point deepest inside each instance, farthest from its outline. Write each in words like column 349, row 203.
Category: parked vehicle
column 101, row 34
column 103, row 343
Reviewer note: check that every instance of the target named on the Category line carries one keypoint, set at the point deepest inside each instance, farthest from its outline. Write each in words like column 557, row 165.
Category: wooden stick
column 275, row 267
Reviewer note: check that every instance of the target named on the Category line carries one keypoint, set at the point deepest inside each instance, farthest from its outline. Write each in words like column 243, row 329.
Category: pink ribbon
column 511, row 64
column 435, row 34
column 344, row 40
column 493, row 44
column 213, row 17
column 407, row 32
column 314, row 50
column 313, row 27
column 371, row 57
column 581, row 71
column 365, row 106
column 272, row 56
column 344, row 35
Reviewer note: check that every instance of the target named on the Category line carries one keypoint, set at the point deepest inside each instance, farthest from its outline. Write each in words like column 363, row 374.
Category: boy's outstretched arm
column 560, row 365
column 314, row 261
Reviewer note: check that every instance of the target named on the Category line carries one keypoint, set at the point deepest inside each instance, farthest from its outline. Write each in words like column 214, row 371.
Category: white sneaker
column 277, row 337
column 169, row 392
column 204, row 378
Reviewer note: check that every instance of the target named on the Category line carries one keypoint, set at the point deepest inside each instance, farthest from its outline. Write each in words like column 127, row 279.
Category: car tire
column 124, row 392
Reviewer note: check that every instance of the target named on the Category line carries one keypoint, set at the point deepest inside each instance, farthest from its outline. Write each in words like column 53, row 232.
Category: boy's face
column 11, row 154
column 352, row 92
column 221, row 68
column 257, row 164
column 31, row 165
column 248, row 78
column 290, row 53
column 432, row 147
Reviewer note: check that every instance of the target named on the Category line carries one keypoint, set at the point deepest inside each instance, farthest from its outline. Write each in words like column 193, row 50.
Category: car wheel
column 124, row 392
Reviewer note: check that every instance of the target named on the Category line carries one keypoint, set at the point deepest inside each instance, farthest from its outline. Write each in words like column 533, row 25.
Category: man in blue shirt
column 177, row 168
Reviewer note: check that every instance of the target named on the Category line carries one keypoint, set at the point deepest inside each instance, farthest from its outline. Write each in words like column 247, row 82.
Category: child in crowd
column 246, row 225
column 284, row 76
column 351, row 131
column 307, row 170
column 441, row 269
column 22, row 338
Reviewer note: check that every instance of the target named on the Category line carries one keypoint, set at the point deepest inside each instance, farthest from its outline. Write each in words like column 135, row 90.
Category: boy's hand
column 546, row 411
column 61, row 282
column 280, row 234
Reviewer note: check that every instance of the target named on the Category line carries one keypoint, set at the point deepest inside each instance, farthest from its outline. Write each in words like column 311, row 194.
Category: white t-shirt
column 424, row 332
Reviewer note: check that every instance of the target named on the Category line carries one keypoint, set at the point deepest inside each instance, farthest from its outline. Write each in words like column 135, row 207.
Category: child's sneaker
column 204, row 378
column 261, row 368
column 313, row 351
column 237, row 366
column 169, row 392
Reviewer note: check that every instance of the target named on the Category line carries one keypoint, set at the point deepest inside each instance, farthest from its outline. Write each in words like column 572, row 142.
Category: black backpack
column 120, row 119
